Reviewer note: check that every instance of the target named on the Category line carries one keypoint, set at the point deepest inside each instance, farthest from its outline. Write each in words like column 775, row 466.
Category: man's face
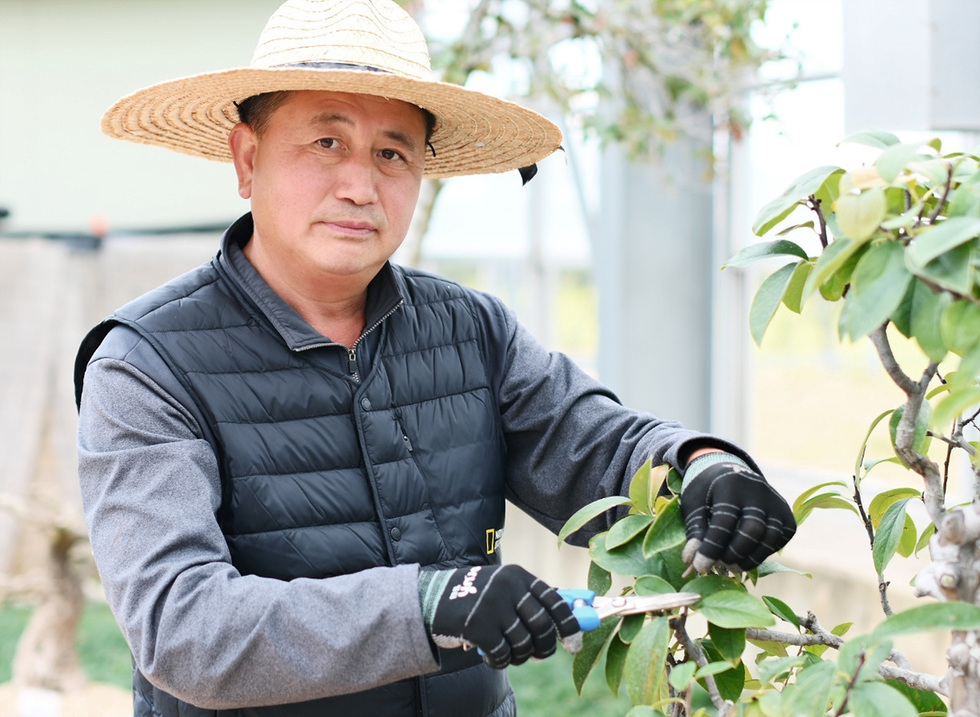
column 333, row 181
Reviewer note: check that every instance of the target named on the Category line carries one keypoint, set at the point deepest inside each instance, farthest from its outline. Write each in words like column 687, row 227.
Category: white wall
column 63, row 62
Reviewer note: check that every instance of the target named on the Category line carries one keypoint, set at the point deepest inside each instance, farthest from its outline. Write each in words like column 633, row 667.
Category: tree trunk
column 954, row 574
column 46, row 657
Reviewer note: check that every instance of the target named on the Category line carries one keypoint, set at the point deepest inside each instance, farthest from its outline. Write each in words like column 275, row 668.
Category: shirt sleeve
column 196, row 627
column 569, row 439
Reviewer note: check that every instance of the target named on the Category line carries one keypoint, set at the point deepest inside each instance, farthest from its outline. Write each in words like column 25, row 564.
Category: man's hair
column 256, row 110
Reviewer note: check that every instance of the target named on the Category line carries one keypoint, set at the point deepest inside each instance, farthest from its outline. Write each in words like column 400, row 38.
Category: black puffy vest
column 323, row 475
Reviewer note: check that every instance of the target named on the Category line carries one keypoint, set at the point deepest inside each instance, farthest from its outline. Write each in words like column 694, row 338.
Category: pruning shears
column 589, row 609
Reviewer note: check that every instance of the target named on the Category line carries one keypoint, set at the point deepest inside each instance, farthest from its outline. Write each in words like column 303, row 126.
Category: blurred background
column 612, row 254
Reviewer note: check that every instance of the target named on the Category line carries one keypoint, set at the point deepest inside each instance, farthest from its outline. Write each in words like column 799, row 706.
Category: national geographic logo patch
column 493, row 540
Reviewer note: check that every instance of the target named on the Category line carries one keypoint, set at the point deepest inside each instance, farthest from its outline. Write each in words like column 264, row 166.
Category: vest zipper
column 352, row 351
column 352, row 364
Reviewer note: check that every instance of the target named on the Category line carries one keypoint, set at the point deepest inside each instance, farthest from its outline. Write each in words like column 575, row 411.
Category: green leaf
column 599, row 579
column 705, row 585
column 873, row 138
column 895, row 159
column 964, row 201
column 593, row 647
column 864, row 445
column 730, row 643
column 878, row 284
column 801, row 188
column 765, row 250
column 625, row 560
column 771, row 567
column 645, row 485
column 730, row 682
column 669, row 565
column 767, row 300
column 630, row 627
column 880, row 503
column 734, row 608
column 809, row 492
column 810, row 694
column 927, row 534
column 953, row 405
column 941, row 238
column 960, row 325
column 930, row 617
column 926, row 314
column 589, row 512
column 778, row 667
column 667, row 531
column 681, row 675
column 652, row 585
column 907, row 543
column 615, row 662
column 645, row 663
column 861, row 657
column 824, row 500
column 952, row 271
column 935, row 171
column 859, row 215
column 793, row 296
column 922, row 700
column 889, row 534
column 644, row 711
column 835, row 258
column 625, row 529
column 714, row 668
column 920, row 438
column 876, row 699
column 781, row 610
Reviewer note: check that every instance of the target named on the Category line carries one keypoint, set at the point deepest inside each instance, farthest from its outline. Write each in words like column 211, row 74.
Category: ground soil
column 93, row 700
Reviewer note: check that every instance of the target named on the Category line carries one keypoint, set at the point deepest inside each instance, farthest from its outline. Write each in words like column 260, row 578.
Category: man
column 294, row 459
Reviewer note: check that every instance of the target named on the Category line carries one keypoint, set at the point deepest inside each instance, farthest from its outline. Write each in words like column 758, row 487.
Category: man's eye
column 327, row 143
column 390, row 154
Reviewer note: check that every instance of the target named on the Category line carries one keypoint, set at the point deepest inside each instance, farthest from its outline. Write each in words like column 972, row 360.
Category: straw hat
column 359, row 46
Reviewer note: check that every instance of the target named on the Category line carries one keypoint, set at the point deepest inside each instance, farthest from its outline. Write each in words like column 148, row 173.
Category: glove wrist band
column 699, row 464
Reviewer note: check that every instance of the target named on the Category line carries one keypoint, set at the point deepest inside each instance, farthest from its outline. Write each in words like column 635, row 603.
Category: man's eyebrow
column 395, row 135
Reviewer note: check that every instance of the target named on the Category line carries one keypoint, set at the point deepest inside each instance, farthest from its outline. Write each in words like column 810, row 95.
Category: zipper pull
column 401, row 427
column 352, row 362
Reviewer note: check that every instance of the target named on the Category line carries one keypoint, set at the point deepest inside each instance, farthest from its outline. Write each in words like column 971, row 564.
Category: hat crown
column 372, row 33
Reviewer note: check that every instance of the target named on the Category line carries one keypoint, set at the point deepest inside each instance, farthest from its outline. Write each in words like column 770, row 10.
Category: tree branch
column 900, row 670
column 693, row 651
column 869, row 528
column 932, row 495
column 879, row 338
column 942, row 200
column 815, row 206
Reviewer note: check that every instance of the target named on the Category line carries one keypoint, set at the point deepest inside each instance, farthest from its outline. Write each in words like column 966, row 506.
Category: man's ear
column 243, row 143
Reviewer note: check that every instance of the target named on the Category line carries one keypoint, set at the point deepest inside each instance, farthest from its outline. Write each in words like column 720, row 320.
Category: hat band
column 333, row 66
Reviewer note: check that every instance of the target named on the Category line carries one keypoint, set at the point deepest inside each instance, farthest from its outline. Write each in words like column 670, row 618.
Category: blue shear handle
column 581, row 603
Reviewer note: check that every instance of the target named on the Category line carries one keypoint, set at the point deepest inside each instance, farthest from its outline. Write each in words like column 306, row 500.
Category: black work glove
column 731, row 514
column 504, row 610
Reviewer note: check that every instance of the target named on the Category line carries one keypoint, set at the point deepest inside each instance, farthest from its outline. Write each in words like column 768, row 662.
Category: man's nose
column 357, row 179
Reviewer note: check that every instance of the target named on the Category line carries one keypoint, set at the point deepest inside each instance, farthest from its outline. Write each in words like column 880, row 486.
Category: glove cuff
column 432, row 583
column 699, row 464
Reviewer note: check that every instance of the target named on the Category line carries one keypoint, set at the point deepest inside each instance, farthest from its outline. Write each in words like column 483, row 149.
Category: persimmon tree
column 896, row 243
column 633, row 73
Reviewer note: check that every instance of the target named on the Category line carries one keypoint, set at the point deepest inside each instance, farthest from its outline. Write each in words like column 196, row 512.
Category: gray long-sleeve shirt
column 217, row 639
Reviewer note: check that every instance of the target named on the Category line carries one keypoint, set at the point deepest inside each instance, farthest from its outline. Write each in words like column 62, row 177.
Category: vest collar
column 383, row 295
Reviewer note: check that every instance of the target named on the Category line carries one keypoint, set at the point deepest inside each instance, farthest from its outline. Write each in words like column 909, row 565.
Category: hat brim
column 475, row 133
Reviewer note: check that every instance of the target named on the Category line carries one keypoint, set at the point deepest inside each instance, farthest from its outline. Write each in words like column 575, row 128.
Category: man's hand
column 504, row 610
column 731, row 514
